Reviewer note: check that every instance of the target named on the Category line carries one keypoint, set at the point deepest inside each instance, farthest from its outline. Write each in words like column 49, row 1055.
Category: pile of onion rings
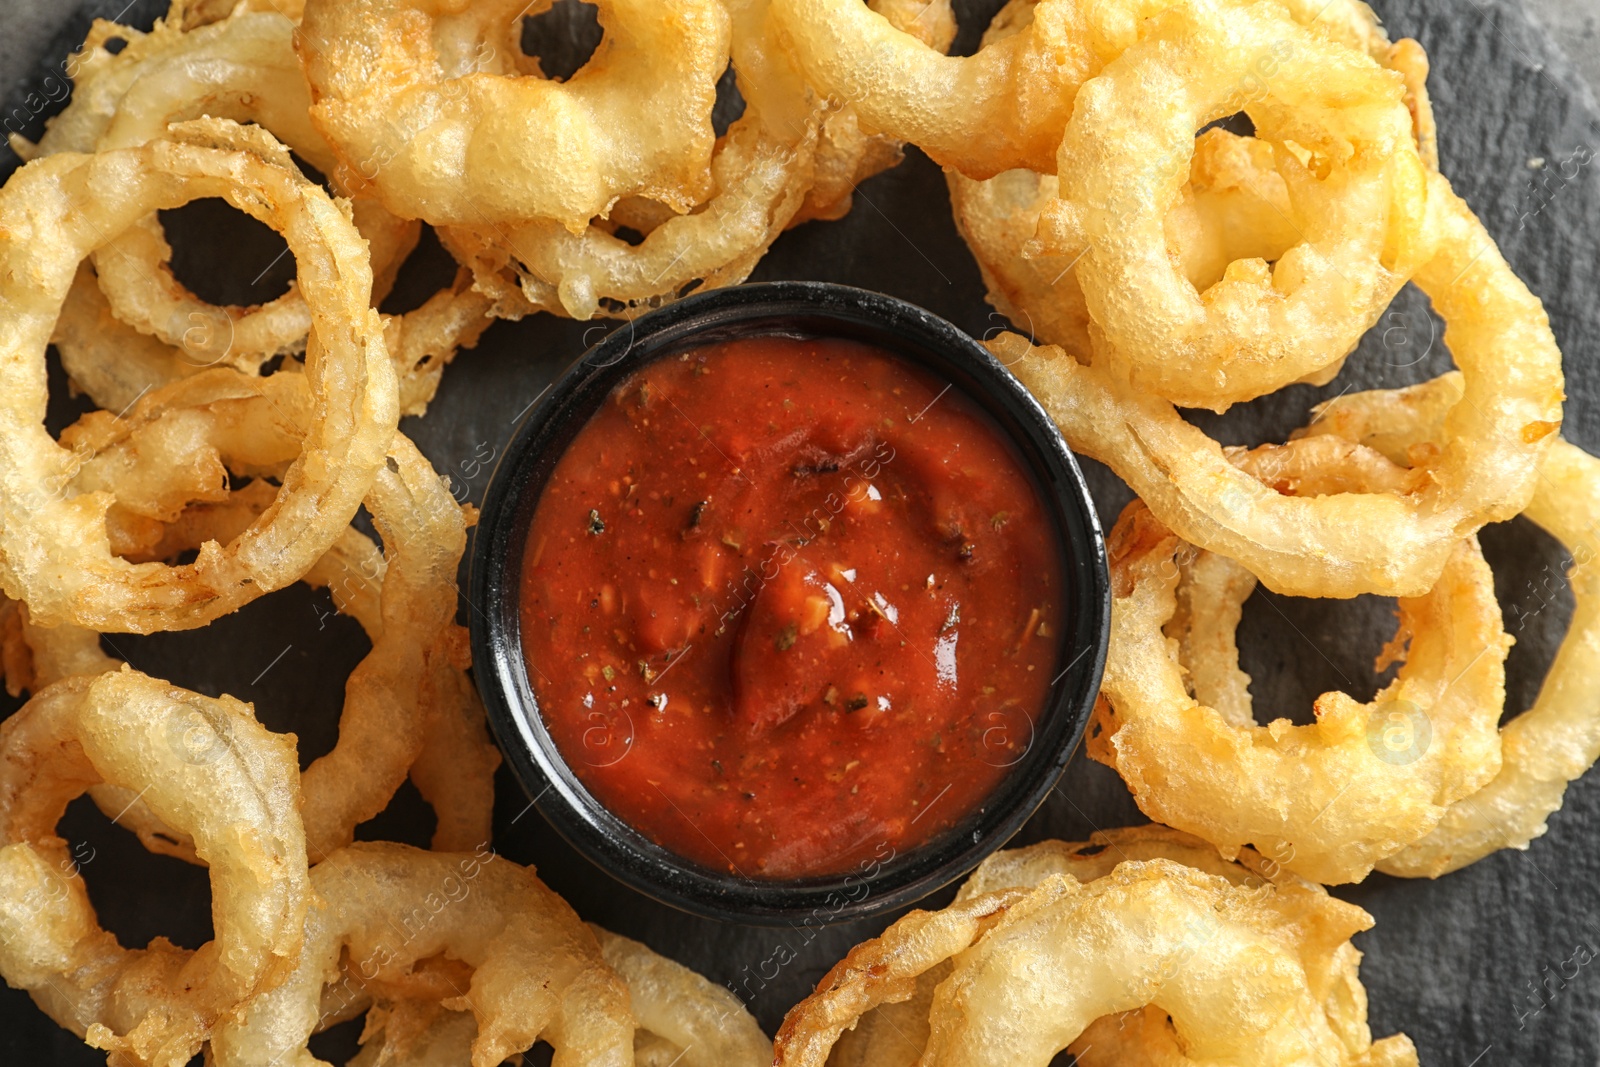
column 1331, row 799
column 1149, row 273
column 1154, row 261
column 257, row 470
column 1156, row 950
column 203, row 766
column 788, row 158
column 1551, row 743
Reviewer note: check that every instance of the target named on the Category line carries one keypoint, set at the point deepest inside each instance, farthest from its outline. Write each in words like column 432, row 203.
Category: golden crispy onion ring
column 425, row 101
column 895, row 1033
column 884, row 970
column 887, row 992
column 537, row 972
column 1004, row 108
column 847, row 154
column 762, row 181
column 351, row 571
column 244, row 68
column 178, row 444
column 1147, row 1035
column 204, row 765
column 951, row 106
column 1346, row 544
column 241, row 68
column 411, row 686
column 1356, row 191
column 769, row 85
column 1557, row 739
column 1154, row 932
column 1147, row 1038
column 453, row 761
column 116, row 365
column 782, row 161
column 682, row 1019
column 680, row 1014
column 1235, row 206
column 1329, row 799
column 53, row 549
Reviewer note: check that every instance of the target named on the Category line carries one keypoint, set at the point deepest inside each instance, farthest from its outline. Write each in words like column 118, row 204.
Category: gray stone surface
column 1574, row 26
column 1454, row 963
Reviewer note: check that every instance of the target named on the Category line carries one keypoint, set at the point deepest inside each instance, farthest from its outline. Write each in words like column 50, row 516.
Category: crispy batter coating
column 1063, row 945
column 1557, row 739
column 411, row 687
column 241, row 68
column 203, row 765
column 1356, row 192
column 1332, row 798
column 54, row 552
column 428, row 103
column 1391, row 543
column 537, row 971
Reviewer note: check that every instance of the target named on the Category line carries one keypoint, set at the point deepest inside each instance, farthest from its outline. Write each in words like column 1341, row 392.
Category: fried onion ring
column 116, row 365
column 426, row 102
column 895, row 990
column 351, row 571
column 1235, row 206
column 847, row 154
column 1006, row 107
column 54, row 552
column 1394, row 544
column 1356, row 192
column 783, row 161
column 202, row 764
column 762, row 181
column 1153, row 932
column 682, row 1019
column 412, row 684
column 884, row 970
column 1147, row 1036
column 680, row 1014
column 1335, row 797
column 1557, row 739
column 895, row 1033
column 537, row 972
column 241, row 68
column 951, row 106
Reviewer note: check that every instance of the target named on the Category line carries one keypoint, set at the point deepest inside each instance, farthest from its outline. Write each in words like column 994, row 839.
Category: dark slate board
column 1453, row 963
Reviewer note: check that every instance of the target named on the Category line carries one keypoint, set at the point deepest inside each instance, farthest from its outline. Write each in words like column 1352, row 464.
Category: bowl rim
column 795, row 309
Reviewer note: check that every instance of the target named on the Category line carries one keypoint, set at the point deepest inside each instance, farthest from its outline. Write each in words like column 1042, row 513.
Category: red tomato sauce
column 790, row 604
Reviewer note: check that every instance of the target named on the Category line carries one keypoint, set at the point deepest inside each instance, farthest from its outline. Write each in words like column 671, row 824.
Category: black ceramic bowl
column 791, row 309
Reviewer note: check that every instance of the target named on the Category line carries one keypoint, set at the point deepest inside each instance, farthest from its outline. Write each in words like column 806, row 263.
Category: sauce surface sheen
column 790, row 606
